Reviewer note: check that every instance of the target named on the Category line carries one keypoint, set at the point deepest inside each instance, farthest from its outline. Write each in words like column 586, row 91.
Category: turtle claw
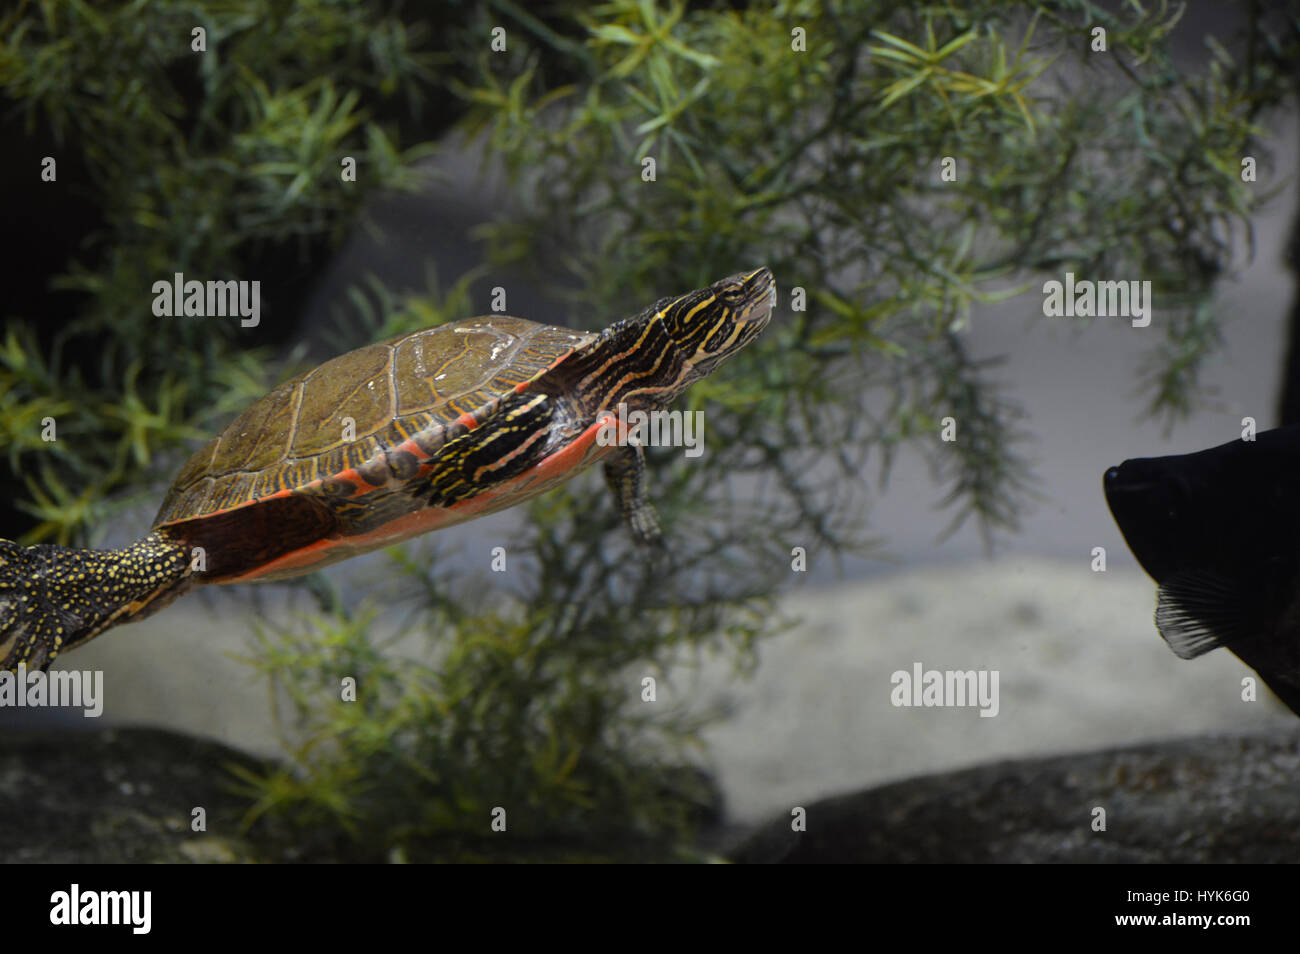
column 625, row 474
column 643, row 523
column 651, row 544
column 648, row 535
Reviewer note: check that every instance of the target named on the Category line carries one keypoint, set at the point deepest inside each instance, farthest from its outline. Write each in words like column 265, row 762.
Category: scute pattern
column 366, row 398
column 418, row 388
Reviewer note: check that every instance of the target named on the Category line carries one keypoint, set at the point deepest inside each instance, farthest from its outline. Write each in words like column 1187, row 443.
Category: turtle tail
column 54, row 598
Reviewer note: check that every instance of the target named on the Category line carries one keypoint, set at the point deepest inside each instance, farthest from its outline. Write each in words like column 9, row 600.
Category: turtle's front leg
column 625, row 474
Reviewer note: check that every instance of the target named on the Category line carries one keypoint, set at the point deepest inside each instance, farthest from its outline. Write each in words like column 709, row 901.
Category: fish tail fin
column 54, row 598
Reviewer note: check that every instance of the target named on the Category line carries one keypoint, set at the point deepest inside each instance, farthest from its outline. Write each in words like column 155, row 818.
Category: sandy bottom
column 1080, row 667
column 1080, row 664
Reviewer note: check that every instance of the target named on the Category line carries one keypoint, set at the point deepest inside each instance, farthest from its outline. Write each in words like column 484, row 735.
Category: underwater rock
column 119, row 795
column 1208, row 799
column 128, row 795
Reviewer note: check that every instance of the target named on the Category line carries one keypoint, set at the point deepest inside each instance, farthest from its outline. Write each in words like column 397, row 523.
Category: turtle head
column 708, row 326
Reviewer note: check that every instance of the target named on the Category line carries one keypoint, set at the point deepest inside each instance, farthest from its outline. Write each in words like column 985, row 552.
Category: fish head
column 1155, row 506
column 1228, row 508
column 1219, row 531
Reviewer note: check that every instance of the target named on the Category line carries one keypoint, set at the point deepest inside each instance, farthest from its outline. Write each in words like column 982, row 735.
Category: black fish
column 1219, row 531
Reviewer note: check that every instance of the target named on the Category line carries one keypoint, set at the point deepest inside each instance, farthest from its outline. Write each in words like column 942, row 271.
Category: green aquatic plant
column 215, row 163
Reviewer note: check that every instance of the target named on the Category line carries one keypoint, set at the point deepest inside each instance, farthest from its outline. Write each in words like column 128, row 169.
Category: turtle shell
column 315, row 471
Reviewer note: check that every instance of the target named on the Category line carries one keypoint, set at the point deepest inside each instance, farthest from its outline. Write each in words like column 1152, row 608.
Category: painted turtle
column 383, row 443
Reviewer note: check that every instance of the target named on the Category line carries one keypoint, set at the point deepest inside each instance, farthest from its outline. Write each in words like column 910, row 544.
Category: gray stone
column 119, row 795
column 1210, row 799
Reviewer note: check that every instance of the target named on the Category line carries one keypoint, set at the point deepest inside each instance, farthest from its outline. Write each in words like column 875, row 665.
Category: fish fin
column 1200, row 611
